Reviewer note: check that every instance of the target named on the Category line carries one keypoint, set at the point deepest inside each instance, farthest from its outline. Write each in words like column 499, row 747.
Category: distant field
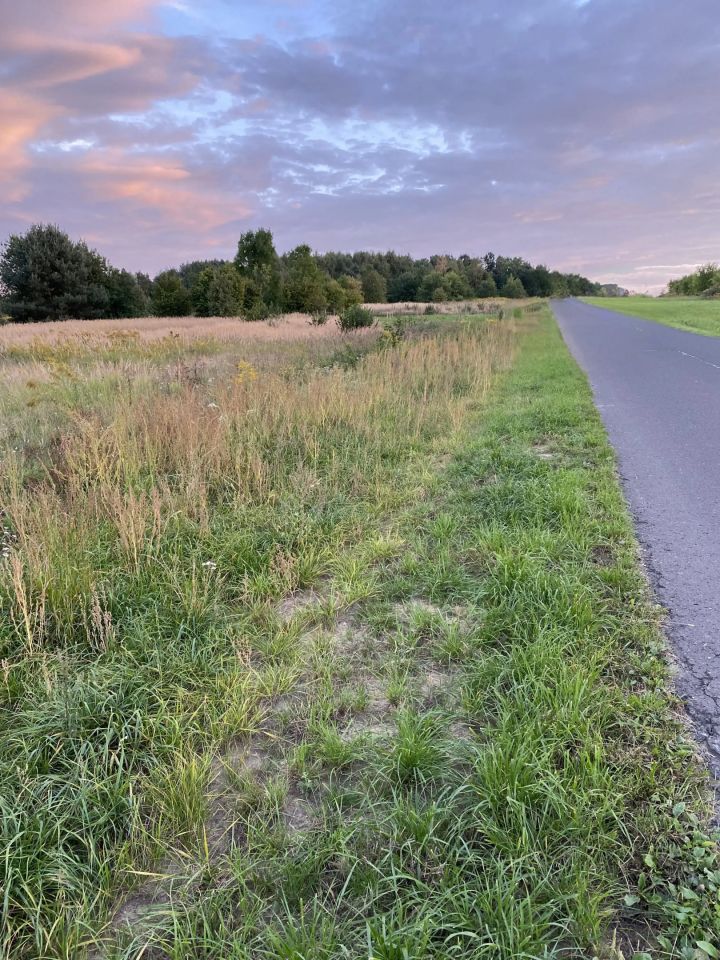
column 686, row 313
column 285, row 327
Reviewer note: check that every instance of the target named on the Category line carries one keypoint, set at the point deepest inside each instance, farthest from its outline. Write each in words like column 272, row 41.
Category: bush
column 318, row 318
column 394, row 331
column 355, row 317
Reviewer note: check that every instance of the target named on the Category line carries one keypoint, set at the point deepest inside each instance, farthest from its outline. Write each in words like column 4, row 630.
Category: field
column 318, row 646
column 686, row 313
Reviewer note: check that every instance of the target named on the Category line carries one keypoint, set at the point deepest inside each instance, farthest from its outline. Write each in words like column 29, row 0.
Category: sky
column 584, row 134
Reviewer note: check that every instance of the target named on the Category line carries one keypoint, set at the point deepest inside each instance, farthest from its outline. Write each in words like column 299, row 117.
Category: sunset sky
column 584, row 134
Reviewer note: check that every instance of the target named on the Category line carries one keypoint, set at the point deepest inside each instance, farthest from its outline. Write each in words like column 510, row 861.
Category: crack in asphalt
column 663, row 418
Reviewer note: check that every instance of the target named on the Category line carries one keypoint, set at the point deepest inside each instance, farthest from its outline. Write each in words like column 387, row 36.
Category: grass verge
column 366, row 670
column 686, row 313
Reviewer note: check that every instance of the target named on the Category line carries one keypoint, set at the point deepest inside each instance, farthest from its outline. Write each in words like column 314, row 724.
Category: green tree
column 374, row 286
column 225, row 292
column 456, row 286
column 170, row 297
column 125, row 295
column 304, row 287
column 45, row 275
column 258, row 264
column 485, row 286
column 513, row 288
column 199, row 292
column 334, row 295
column 190, row 272
column 405, row 286
column 353, row 290
column 432, row 288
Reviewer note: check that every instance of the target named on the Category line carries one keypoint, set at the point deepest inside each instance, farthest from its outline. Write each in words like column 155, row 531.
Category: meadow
column 318, row 645
column 687, row 313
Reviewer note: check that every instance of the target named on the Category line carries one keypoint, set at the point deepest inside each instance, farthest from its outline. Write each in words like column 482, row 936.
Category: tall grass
column 151, row 523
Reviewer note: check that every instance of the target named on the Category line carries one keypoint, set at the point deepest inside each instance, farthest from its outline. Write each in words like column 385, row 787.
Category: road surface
column 658, row 392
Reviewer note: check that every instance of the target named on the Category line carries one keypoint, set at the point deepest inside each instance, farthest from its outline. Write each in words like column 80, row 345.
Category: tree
column 485, row 287
column 374, row 286
column 190, row 272
column 353, row 290
column 225, row 292
column 170, row 297
column 258, row 264
column 334, row 295
column 199, row 292
column 125, row 296
column 304, row 287
column 456, row 286
column 47, row 276
column 513, row 288
column 432, row 288
column 405, row 286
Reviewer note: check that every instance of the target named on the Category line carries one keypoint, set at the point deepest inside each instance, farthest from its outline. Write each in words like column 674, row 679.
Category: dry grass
column 290, row 326
column 487, row 305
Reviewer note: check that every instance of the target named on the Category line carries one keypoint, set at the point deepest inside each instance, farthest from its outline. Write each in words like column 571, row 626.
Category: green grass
column 686, row 313
column 415, row 706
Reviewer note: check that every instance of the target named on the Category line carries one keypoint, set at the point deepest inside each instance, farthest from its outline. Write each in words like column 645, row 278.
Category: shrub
column 355, row 317
column 394, row 331
column 318, row 318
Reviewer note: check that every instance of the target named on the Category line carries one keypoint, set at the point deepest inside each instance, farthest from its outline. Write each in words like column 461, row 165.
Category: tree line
column 703, row 282
column 45, row 275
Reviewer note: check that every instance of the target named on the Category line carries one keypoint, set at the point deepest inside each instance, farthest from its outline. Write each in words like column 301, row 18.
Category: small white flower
column 210, row 565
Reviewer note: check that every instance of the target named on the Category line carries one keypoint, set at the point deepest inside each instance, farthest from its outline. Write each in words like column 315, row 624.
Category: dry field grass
column 290, row 326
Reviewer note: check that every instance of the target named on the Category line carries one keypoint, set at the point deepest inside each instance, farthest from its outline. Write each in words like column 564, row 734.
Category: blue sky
column 582, row 135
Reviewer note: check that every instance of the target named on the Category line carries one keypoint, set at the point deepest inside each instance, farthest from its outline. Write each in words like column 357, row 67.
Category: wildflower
column 210, row 565
column 245, row 372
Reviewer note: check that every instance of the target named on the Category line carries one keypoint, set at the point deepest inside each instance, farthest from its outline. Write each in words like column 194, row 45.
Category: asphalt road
column 658, row 392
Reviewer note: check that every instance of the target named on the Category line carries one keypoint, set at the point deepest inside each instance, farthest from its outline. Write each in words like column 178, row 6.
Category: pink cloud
column 23, row 117
column 70, row 17
column 66, row 68
column 160, row 185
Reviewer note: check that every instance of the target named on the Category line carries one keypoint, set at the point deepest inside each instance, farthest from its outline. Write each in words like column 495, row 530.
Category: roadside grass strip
column 694, row 314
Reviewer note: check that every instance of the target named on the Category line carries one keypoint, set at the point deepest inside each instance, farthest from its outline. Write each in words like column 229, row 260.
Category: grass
column 325, row 653
column 685, row 313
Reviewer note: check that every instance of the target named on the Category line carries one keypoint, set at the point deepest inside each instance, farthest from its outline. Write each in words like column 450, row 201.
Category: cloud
column 578, row 135
column 23, row 117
